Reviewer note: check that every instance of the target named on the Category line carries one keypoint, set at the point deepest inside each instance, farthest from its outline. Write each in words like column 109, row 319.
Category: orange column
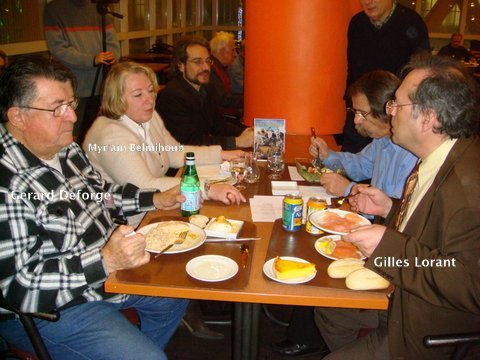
column 295, row 67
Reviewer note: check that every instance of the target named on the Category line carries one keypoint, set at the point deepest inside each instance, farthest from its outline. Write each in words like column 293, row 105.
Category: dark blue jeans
column 97, row 330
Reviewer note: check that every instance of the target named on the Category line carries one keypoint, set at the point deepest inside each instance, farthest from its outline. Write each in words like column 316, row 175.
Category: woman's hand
column 228, row 155
column 225, row 193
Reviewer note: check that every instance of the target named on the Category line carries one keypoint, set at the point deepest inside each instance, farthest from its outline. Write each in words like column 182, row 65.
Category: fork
column 317, row 162
column 180, row 239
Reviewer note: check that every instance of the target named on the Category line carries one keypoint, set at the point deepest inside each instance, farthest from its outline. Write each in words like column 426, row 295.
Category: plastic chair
column 463, row 343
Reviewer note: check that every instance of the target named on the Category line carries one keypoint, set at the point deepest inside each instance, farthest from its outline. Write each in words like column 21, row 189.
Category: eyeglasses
column 392, row 104
column 60, row 110
column 362, row 114
column 200, row 61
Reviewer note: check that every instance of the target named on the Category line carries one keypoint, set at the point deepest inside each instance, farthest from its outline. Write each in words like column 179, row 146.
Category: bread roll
column 199, row 220
column 339, row 269
column 365, row 279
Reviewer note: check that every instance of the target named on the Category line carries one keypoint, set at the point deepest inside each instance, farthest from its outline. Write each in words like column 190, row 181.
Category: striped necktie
column 410, row 185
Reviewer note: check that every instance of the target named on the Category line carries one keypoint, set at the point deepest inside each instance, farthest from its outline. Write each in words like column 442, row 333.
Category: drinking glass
column 275, row 162
column 252, row 173
column 238, row 169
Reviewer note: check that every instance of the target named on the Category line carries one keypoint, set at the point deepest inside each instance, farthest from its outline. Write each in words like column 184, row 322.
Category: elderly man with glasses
column 189, row 105
column 58, row 241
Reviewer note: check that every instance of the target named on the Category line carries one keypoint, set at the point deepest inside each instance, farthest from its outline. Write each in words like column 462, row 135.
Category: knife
column 231, row 239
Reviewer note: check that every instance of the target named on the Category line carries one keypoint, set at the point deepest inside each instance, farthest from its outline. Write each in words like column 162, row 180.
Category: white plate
column 268, row 271
column 321, row 250
column 212, row 268
column 189, row 243
column 317, row 217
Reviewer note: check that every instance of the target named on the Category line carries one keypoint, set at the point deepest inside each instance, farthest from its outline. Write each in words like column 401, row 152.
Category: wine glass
column 252, row 173
column 275, row 162
column 238, row 169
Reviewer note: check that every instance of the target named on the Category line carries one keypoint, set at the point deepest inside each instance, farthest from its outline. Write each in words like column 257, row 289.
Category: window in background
column 14, row 14
column 176, row 14
column 138, row 15
column 441, row 16
column 161, row 14
column 139, row 46
column 191, row 12
column 228, row 12
column 472, row 25
column 207, row 12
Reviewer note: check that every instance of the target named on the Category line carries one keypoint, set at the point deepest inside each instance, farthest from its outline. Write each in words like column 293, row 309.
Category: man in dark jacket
column 383, row 36
column 189, row 105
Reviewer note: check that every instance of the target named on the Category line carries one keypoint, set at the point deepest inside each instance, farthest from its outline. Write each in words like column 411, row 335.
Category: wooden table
column 150, row 280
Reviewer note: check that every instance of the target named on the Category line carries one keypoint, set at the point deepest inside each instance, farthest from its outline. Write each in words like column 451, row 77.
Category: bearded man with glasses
column 190, row 105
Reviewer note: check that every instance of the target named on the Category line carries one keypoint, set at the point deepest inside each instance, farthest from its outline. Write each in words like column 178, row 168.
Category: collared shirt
column 379, row 24
column 387, row 164
column 427, row 172
column 54, row 225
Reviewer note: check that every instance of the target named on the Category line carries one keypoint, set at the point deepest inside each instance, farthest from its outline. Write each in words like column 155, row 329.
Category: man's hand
column 334, row 184
column 170, row 199
column 366, row 238
column 370, row 200
column 228, row 155
column 245, row 140
column 226, row 193
column 122, row 252
column 318, row 146
column 106, row 57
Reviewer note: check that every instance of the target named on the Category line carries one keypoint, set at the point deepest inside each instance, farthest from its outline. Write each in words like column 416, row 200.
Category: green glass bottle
column 190, row 187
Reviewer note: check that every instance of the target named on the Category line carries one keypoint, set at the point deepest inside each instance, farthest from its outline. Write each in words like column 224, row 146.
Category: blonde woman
column 128, row 142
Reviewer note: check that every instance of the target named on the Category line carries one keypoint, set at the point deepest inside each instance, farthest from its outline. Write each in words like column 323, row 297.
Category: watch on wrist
column 206, row 188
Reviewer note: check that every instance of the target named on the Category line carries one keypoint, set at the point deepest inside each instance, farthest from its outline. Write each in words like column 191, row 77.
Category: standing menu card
column 268, row 132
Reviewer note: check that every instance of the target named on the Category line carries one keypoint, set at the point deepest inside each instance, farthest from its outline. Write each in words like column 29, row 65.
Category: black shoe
column 287, row 347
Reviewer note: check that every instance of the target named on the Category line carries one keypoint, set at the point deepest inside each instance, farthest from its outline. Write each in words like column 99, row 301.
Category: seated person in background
column 128, row 142
column 224, row 54
column 189, row 105
column 455, row 49
column 58, row 240
column 236, row 71
column 387, row 164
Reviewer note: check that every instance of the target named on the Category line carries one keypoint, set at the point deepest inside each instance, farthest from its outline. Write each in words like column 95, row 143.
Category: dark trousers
column 302, row 328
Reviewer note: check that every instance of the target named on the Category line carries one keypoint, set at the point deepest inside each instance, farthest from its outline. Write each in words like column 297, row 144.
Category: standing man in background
column 383, row 36
column 73, row 30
